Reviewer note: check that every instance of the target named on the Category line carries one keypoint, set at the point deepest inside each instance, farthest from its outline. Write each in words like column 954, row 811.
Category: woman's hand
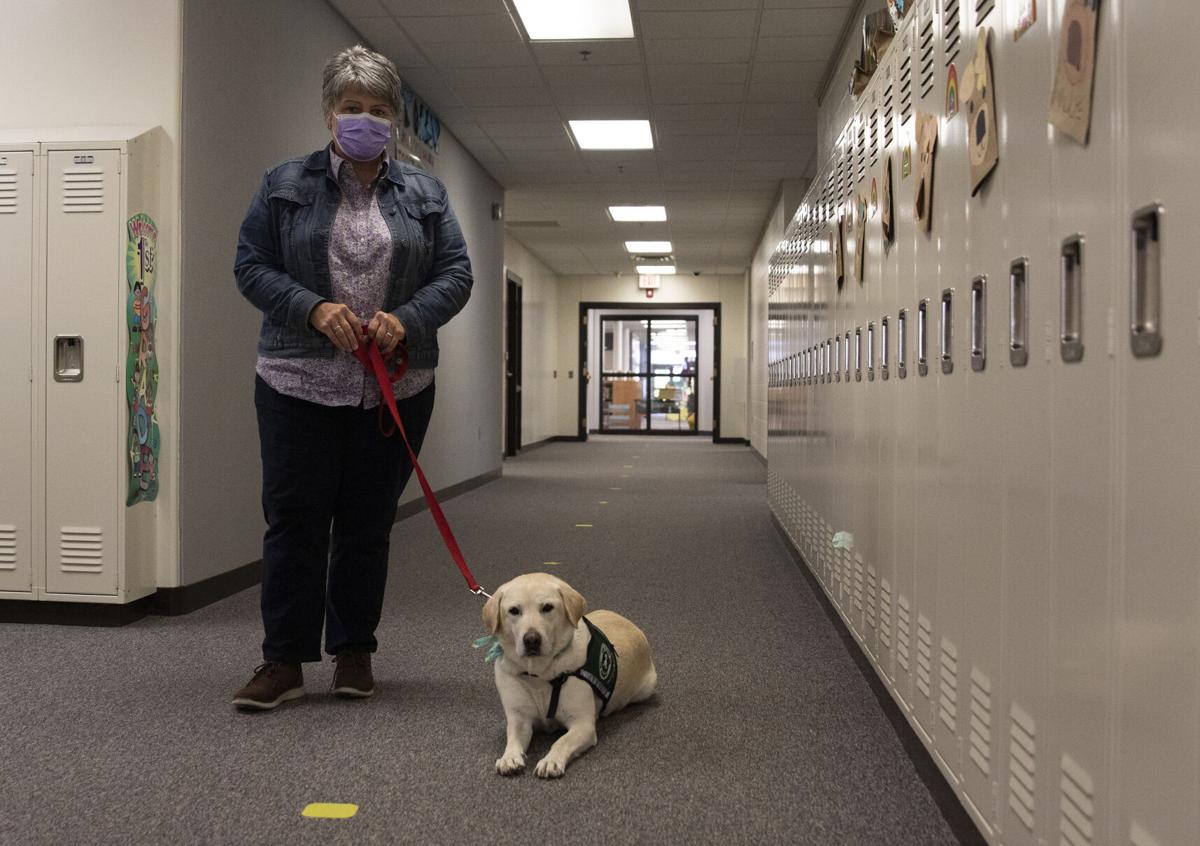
column 339, row 324
column 387, row 330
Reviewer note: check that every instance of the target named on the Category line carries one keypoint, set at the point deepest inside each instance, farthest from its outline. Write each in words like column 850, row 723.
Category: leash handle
column 371, row 358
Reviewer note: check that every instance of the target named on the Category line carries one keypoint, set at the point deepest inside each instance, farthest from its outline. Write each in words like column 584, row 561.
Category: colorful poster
column 952, row 91
column 141, row 365
column 1026, row 17
column 419, row 131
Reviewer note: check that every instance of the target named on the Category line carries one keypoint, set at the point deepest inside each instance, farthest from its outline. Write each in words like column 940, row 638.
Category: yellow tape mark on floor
column 551, row 564
column 583, row 525
column 604, row 502
column 614, row 489
column 329, row 811
column 627, row 467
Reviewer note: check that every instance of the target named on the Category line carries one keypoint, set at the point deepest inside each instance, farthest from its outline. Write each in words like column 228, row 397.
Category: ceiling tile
column 600, row 111
column 698, row 74
column 617, row 52
column 500, row 77
column 524, row 96
column 470, row 55
column 713, row 126
column 570, row 96
column 554, row 143
column 359, row 8
column 593, row 74
column 528, row 131
column 797, row 73
column 383, row 35
column 691, row 50
column 804, row 48
column 767, row 111
column 487, row 115
column 671, row 25
column 694, row 5
column 827, row 21
column 672, row 94
column 694, row 111
column 779, row 92
column 485, row 29
column 779, row 126
column 424, row 8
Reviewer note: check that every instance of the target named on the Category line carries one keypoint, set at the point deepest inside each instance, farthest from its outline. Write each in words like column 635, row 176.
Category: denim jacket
column 282, row 263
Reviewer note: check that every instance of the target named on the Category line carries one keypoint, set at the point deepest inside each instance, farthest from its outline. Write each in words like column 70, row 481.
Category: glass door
column 648, row 375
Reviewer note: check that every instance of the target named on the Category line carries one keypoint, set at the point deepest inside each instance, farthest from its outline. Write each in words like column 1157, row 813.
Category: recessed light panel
column 575, row 20
column 622, row 214
column 648, row 248
column 612, row 134
column 657, row 269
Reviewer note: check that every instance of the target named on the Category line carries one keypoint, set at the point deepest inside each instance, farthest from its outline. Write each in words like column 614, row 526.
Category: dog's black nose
column 533, row 643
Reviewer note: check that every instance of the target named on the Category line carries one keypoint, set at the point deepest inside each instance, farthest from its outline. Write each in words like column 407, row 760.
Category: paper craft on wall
column 905, row 161
column 977, row 90
column 874, row 196
column 927, row 132
column 1026, row 17
column 952, row 90
column 1071, row 101
column 860, row 239
column 839, row 259
column 885, row 204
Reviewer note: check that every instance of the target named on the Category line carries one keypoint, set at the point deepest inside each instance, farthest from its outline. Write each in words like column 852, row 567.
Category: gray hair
column 358, row 67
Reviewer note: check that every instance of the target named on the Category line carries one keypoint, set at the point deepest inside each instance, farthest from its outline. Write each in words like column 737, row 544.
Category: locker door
column 1028, row 797
column 17, row 323
column 84, row 272
column 1158, row 757
column 1083, row 589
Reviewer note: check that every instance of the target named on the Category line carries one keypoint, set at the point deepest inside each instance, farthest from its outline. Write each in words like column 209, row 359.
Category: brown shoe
column 274, row 682
column 352, row 677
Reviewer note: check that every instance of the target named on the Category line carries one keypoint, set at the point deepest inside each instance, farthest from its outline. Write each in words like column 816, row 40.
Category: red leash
column 372, row 360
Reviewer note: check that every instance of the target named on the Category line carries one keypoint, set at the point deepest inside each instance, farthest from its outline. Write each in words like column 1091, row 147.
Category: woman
column 339, row 249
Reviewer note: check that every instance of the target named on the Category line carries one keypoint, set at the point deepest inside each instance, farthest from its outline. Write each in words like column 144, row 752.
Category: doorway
column 649, row 369
column 512, row 366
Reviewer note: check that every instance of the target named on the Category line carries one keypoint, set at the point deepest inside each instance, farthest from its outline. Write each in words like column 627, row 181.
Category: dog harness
column 600, row 671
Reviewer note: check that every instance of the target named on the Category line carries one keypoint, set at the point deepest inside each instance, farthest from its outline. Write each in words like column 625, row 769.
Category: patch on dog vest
column 599, row 670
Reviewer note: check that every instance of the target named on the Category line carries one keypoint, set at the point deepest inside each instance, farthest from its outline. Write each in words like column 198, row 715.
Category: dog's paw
column 510, row 764
column 549, row 768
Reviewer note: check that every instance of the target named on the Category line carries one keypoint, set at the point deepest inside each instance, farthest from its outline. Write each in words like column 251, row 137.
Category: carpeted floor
column 762, row 731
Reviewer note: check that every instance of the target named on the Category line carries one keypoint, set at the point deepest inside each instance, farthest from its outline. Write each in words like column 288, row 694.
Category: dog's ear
column 573, row 602
column 491, row 613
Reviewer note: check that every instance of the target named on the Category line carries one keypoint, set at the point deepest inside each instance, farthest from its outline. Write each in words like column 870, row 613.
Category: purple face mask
column 362, row 137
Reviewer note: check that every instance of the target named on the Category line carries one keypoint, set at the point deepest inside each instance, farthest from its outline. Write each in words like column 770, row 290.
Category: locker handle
column 978, row 323
column 68, row 358
column 870, row 352
column 846, row 361
column 1018, row 312
column 1071, row 300
column 923, row 338
column 858, row 354
column 884, row 352
column 902, row 344
column 837, row 358
column 1146, row 283
column 945, row 347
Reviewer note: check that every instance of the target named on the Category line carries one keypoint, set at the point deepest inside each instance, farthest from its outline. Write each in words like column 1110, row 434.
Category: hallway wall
column 251, row 94
column 98, row 81
column 540, row 376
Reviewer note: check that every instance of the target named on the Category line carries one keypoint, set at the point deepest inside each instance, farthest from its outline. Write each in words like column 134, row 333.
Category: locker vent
column 950, row 31
column 8, row 191
column 903, row 631
column 874, row 137
column 948, row 686
column 983, row 8
column 885, row 613
column 1138, row 836
column 8, row 547
column 925, row 66
column 862, row 149
column 924, row 655
column 981, row 721
column 889, row 114
column 858, row 583
column 80, row 549
column 1022, row 765
column 872, row 597
column 906, row 87
column 83, row 190
column 1078, row 806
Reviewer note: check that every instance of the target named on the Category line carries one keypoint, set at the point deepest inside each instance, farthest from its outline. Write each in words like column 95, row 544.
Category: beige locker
column 87, row 544
column 18, row 210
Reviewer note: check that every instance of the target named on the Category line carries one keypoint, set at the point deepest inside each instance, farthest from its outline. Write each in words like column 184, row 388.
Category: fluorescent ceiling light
column 648, row 248
column 627, row 213
column 656, row 269
column 612, row 134
column 575, row 20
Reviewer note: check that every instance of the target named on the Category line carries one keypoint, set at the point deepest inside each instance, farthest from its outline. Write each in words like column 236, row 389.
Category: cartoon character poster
column 1071, row 100
column 1026, row 17
column 141, row 366
column 927, row 134
column 978, row 91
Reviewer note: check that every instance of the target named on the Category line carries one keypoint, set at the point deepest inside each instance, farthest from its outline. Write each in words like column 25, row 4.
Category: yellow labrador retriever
column 559, row 667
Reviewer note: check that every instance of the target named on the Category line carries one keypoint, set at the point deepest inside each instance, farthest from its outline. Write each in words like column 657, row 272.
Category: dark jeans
column 328, row 467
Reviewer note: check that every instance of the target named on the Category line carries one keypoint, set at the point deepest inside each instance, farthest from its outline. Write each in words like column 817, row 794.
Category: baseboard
column 951, row 807
column 418, row 505
column 566, row 438
column 739, row 441
column 32, row 612
column 539, row 444
column 172, row 602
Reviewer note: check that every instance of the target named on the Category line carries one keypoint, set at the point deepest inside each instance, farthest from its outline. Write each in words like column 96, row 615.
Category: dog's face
column 534, row 615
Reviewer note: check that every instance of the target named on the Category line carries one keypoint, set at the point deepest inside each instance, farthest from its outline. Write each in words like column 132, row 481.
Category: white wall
column 759, row 268
column 66, row 64
column 252, row 88
column 729, row 291
column 539, row 342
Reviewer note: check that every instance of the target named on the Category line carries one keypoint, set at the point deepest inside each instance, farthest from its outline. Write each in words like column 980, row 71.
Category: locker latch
column 68, row 358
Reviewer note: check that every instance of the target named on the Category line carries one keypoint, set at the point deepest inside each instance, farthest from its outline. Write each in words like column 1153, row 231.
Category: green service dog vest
column 600, row 671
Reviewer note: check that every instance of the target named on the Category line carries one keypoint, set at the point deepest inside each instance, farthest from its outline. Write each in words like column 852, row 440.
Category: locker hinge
column 117, row 374
column 1112, row 333
column 583, row 320
column 31, row 373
